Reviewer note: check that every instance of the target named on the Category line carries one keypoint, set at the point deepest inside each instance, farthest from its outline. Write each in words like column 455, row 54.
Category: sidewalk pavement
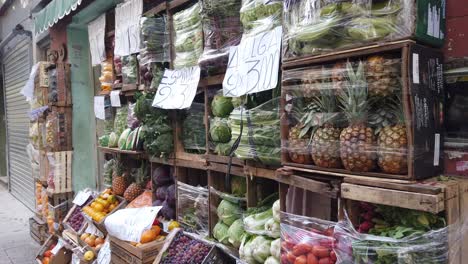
column 16, row 246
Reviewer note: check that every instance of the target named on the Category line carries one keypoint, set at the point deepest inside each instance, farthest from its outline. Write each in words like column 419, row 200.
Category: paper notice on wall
column 127, row 27
column 129, row 224
column 99, row 107
column 254, row 65
column 96, row 37
column 115, row 99
column 177, row 88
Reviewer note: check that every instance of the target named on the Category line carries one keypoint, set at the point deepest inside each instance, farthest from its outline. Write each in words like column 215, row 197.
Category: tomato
column 287, row 246
column 328, row 243
column 329, row 232
column 325, row 261
column 333, row 255
column 302, row 248
column 312, row 259
column 284, row 259
column 321, row 251
column 301, row 260
column 291, row 258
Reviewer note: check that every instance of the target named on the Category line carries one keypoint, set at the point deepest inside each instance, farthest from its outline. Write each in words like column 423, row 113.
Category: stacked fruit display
column 76, row 220
column 100, row 207
column 348, row 115
column 93, row 241
column 184, row 249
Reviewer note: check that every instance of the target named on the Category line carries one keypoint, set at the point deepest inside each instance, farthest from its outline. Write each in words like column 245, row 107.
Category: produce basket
column 222, row 29
column 188, row 37
column 193, row 208
column 314, row 28
column 360, row 113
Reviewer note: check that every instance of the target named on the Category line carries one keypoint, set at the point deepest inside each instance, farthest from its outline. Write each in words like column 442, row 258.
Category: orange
column 148, row 236
column 157, row 229
column 46, row 260
column 90, row 242
column 99, row 241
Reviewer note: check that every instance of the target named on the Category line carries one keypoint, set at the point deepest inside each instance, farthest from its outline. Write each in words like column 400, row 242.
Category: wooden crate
column 57, row 167
column 421, row 82
column 63, row 255
column 58, row 91
column 100, row 225
column 38, row 229
column 144, row 254
column 449, row 198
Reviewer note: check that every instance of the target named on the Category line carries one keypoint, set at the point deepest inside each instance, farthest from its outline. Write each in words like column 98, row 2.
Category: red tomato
column 325, row 261
column 301, row 260
column 321, row 251
column 333, row 255
column 329, row 232
column 328, row 243
column 287, row 245
column 291, row 258
column 312, row 259
column 284, row 259
column 48, row 253
column 301, row 249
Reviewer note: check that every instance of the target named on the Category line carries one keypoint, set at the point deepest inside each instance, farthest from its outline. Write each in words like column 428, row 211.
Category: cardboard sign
column 115, row 99
column 127, row 27
column 254, row 64
column 177, row 88
column 99, row 107
column 81, row 198
column 96, row 35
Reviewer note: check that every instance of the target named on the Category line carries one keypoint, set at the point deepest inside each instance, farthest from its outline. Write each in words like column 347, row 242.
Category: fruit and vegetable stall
column 292, row 132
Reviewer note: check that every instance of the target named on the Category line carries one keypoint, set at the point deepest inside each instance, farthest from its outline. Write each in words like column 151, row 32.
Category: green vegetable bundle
column 193, row 129
column 188, row 36
column 129, row 69
column 259, row 15
column 120, row 121
column 154, row 37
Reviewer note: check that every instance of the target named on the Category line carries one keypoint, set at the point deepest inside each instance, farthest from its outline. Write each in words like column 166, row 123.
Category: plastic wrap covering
column 222, row 29
column 151, row 75
column 120, row 121
column 260, row 15
column 228, row 210
column 347, row 115
column 154, row 37
column 307, row 240
column 192, row 203
column 107, row 75
column 129, row 69
column 407, row 237
column 313, row 27
column 188, row 37
column 50, row 130
column 34, row 157
column 220, row 132
column 193, row 129
column 260, row 126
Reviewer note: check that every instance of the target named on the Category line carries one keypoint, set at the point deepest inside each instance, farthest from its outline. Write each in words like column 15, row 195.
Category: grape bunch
column 76, row 220
column 185, row 250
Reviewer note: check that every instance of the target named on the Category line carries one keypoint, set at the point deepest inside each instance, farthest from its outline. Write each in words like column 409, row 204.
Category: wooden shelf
column 157, row 9
column 176, row 3
column 119, row 151
column 167, row 161
column 211, row 80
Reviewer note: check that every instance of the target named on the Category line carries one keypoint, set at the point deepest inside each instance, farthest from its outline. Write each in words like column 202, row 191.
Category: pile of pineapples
column 350, row 116
column 130, row 186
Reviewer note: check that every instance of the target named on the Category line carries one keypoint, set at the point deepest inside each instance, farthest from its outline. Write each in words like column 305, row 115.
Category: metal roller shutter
column 16, row 68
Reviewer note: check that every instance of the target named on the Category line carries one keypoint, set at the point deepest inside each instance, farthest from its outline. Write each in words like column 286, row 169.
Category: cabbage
column 236, row 232
column 261, row 248
column 246, row 250
column 276, row 210
column 271, row 260
column 220, row 131
column 104, row 141
column 113, row 140
column 272, row 228
column 228, row 212
column 238, row 186
column 220, row 232
column 123, row 138
column 275, row 249
column 221, row 106
column 255, row 223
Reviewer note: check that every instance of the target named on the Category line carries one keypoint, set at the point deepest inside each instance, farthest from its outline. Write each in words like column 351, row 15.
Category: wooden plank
column 310, row 185
column 417, row 201
column 463, row 206
column 195, row 164
column 211, row 80
column 235, row 170
column 224, row 159
column 416, row 187
column 156, row 10
column 167, row 161
column 177, row 3
column 260, row 172
column 452, row 215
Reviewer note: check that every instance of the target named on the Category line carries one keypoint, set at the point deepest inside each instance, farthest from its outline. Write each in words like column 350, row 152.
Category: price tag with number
column 254, row 64
column 99, row 107
column 115, row 98
column 177, row 88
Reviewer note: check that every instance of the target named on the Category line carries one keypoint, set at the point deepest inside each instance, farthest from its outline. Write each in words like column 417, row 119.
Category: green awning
column 52, row 13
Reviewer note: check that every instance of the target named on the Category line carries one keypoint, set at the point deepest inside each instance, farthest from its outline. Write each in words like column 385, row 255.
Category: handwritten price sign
column 127, row 27
column 254, row 64
column 177, row 88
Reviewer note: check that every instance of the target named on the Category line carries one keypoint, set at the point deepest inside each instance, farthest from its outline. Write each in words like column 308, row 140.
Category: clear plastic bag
column 222, row 29
column 314, row 27
column 154, row 37
column 50, row 131
column 193, row 211
column 188, row 37
column 260, row 139
column 129, row 69
column 193, row 129
column 260, row 15
column 120, row 121
column 307, row 240
column 151, row 75
column 107, row 75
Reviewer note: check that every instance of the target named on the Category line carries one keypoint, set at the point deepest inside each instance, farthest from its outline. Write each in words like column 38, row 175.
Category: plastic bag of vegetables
column 192, row 203
column 259, row 15
column 154, row 38
column 193, row 129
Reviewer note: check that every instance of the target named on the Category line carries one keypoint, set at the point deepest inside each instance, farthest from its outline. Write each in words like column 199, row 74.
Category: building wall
column 457, row 35
column 17, row 13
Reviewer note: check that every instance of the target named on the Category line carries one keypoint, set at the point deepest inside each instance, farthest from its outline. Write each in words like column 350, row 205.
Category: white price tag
column 104, row 255
column 99, row 107
column 415, row 68
column 127, row 27
column 436, row 149
column 96, row 35
column 115, row 98
column 57, row 247
column 177, row 88
column 81, row 198
column 254, row 64
column 129, row 224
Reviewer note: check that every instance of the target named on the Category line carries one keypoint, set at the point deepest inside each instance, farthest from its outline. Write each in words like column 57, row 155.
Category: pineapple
column 298, row 144
column 325, row 145
column 393, row 144
column 357, row 140
column 137, row 187
column 119, row 179
column 382, row 76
